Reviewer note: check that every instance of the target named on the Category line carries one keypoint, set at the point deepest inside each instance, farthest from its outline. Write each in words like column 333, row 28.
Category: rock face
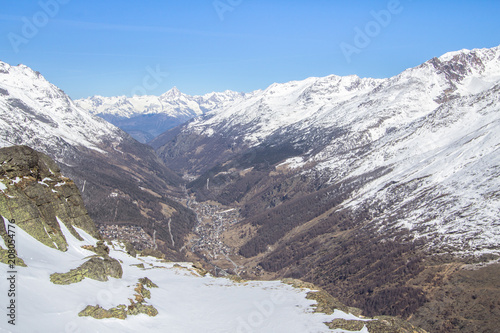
column 35, row 194
column 95, row 268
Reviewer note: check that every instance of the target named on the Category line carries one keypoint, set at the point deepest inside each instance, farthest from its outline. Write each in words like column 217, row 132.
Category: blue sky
column 143, row 46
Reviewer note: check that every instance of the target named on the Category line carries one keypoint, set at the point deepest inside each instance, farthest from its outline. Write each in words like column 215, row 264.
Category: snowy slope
column 36, row 113
column 452, row 159
column 186, row 302
column 444, row 152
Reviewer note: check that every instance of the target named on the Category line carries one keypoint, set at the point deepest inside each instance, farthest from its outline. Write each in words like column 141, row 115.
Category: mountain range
column 145, row 117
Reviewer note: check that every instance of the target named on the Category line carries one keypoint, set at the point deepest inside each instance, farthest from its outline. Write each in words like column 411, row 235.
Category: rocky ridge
column 38, row 197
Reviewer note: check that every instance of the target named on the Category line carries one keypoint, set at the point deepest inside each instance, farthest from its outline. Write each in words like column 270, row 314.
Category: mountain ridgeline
column 122, row 182
column 380, row 190
column 146, row 117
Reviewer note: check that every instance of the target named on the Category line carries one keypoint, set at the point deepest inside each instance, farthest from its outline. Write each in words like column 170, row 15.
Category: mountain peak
column 29, row 96
column 172, row 93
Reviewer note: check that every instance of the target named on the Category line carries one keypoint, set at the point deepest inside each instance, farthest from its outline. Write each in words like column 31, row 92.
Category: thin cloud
column 137, row 28
column 85, row 25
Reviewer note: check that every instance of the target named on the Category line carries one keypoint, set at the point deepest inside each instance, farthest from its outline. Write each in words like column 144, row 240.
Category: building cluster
column 213, row 222
column 133, row 234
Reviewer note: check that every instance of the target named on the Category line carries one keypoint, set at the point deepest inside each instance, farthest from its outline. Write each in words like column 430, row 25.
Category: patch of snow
column 293, row 162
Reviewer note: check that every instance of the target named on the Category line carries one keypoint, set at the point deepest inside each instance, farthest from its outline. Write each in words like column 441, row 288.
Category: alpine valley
column 63, row 278
column 384, row 193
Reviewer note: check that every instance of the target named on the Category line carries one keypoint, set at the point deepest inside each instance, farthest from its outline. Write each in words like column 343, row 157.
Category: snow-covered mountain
column 145, row 117
column 350, row 182
column 110, row 168
column 172, row 103
column 331, row 101
column 36, row 113
column 434, row 126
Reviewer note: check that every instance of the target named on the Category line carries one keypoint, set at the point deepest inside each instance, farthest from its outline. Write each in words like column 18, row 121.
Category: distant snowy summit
column 145, row 117
column 172, row 103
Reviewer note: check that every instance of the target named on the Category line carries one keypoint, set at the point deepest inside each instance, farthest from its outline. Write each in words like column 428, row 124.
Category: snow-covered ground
column 186, row 301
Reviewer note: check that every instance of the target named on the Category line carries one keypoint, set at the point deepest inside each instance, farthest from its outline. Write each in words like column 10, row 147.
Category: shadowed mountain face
column 121, row 180
column 360, row 185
